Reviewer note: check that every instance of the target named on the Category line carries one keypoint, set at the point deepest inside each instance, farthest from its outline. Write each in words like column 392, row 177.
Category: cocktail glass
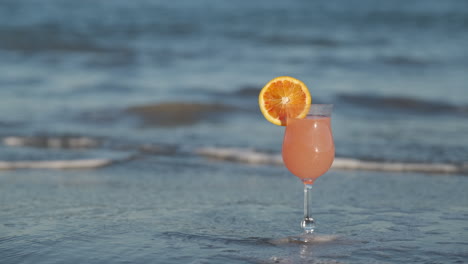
column 309, row 151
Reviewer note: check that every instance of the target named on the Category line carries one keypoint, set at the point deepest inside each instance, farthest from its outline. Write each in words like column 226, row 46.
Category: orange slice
column 284, row 97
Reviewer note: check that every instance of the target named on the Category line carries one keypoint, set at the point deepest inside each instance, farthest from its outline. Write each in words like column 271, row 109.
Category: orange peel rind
column 282, row 98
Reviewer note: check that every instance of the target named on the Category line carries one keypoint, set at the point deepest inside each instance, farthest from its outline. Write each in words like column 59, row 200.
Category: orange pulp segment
column 284, row 97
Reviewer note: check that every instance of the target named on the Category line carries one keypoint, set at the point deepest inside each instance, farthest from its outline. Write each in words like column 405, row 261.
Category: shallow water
column 166, row 210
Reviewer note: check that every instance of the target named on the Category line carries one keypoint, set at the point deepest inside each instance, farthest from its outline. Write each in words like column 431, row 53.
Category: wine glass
column 308, row 152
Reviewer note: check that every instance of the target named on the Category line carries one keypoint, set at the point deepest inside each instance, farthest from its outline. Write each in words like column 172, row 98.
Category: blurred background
column 152, row 82
column 396, row 72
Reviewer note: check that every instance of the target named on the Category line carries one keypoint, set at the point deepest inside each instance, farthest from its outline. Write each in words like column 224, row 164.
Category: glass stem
column 308, row 222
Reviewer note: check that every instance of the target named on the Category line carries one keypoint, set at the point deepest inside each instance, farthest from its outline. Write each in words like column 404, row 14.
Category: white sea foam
column 51, row 142
column 252, row 156
column 56, row 164
column 241, row 155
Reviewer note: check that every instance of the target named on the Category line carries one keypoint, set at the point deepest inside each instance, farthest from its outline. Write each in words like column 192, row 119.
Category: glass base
column 308, row 224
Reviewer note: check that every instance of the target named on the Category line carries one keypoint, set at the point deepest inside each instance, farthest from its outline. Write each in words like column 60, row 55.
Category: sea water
column 151, row 83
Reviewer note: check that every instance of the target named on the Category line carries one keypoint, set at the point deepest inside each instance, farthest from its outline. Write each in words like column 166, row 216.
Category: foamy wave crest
column 51, row 142
column 257, row 157
column 240, row 155
column 56, row 164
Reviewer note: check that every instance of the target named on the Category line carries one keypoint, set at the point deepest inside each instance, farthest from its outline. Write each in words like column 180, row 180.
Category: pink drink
column 308, row 148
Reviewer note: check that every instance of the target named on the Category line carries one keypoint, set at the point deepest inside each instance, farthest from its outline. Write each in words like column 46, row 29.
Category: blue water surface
column 395, row 71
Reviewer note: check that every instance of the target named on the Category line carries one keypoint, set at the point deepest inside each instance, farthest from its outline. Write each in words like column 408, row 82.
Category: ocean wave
column 251, row 156
column 319, row 40
column 248, row 90
column 66, row 142
column 89, row 156
column 403, row 103
column 50, row 38
column 24, row 45
column 106, row 87
column 297, row 40
column 218, row 239
column 178, row 113
column 233, row 154
column 56, row 164
column 10, row 124
column 404, row 60
column 24, row 81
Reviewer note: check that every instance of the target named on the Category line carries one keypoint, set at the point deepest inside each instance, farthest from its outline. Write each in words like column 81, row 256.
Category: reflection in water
column 306, row 251
column 306, row 239
column 307, row 248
